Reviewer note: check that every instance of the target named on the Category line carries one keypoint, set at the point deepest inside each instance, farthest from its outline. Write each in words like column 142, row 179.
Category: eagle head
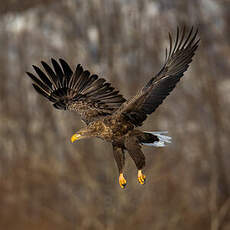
column 83, row 133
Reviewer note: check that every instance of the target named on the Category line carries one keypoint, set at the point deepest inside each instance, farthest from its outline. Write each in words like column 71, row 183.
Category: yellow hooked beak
column 75, row 137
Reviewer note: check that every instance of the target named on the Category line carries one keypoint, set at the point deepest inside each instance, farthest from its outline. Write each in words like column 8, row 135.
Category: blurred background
column 48, row 183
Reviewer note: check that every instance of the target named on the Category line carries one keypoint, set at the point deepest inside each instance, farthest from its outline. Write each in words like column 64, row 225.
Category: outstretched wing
column 87, row 94
column 159, row 87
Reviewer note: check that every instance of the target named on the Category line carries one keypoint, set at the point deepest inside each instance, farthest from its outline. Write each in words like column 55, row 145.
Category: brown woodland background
column 48, row 183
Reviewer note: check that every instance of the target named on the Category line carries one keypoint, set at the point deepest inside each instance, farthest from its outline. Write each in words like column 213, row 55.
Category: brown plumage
column 106, row 113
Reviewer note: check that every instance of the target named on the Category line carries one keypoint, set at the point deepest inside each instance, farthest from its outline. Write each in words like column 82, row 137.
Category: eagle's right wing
column 159, row 87
column 87, row 94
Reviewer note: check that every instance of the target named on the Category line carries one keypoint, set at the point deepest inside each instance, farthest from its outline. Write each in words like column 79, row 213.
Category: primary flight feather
column 106, row 113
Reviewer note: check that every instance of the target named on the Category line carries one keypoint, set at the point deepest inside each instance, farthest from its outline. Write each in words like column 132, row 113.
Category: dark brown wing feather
column 87, row 94
column 159, row 87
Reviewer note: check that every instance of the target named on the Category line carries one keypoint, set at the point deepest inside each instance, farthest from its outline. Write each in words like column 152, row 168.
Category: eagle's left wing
column 159, row 87
column 92, row 97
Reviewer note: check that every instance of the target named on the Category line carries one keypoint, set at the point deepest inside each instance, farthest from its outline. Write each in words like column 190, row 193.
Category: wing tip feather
column 61, row 85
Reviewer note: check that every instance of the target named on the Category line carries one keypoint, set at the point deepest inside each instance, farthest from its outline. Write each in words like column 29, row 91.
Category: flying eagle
column 106, row 113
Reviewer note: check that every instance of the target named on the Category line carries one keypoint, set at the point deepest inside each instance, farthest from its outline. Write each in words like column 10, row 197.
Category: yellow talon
column 122, row 180
column 141, row 177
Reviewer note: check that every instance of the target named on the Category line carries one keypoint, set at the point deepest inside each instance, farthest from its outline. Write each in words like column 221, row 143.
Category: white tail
column 162, row 139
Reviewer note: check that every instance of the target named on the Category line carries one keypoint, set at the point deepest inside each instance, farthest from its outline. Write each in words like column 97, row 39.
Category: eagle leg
column 133, row 147
column 119, row 156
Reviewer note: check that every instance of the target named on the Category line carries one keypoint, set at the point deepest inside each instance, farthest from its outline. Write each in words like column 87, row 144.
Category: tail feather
column 163, row 139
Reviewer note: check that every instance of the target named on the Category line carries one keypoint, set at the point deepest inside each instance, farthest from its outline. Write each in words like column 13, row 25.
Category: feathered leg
column 133, row 147
column 119, row 156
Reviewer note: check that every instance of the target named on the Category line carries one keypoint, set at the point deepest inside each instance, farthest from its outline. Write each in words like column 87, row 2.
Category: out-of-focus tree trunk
column 15, row 6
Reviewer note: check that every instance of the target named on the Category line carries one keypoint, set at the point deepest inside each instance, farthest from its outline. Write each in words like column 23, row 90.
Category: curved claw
column 122, row 181
column 141, row 177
